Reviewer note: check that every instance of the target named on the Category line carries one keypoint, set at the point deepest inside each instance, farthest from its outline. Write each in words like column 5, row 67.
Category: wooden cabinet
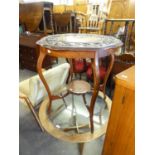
column 122, row 9
column 119, row 139
column 29, row 53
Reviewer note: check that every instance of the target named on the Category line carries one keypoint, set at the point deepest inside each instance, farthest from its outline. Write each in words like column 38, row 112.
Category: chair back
column 81, row 18
column 56, row 79
column 123, row 29
column 94, row 24
column 93, row 21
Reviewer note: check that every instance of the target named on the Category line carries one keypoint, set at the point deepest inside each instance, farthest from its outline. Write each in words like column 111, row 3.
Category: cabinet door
column 119, row 138
column 122, row 9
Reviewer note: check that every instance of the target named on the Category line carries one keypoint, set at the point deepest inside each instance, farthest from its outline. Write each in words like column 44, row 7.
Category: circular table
column 79, row 46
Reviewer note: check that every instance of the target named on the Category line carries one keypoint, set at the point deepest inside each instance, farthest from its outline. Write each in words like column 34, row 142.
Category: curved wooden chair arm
column 22, row 97
column 29, row 104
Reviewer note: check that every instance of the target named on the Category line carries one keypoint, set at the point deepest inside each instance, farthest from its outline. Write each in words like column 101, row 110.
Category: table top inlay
column 79, row 42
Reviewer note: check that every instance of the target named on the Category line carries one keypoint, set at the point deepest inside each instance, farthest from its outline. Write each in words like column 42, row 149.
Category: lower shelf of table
column 61, row 125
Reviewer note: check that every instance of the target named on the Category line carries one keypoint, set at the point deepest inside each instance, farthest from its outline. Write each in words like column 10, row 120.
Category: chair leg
column 34, row 113
column 100, row 115
column 57, row 60
column 74, row 114
column 81, row 147
column 105, row 101
column 84, row 99
column 64, row 102
column 49, row 108
column 73, row 111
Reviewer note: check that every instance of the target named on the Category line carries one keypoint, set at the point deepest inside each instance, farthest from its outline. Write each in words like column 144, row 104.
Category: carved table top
column 75, row 41
column 76, row 45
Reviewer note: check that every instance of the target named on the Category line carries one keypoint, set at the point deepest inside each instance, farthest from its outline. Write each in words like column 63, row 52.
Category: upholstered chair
column 102, row 72
column 79, row 66
column 33, row 92
column 103, row 66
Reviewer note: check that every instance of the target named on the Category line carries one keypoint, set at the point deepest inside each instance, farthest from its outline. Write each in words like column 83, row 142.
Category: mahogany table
column 79, row 46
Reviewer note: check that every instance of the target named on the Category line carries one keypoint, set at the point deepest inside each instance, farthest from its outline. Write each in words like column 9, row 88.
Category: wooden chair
column 103, row 67
column 89, row 24
column 32, row 90
column 123, row 29
column 93, row 24
column 81, row 19
column 80, row 65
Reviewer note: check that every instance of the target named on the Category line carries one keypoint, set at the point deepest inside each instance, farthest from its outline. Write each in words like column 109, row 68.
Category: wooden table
column 79, row 46
column 56, row 127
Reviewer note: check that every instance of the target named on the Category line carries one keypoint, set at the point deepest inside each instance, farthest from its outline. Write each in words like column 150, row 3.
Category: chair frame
column 53, row 97
column 32, row 109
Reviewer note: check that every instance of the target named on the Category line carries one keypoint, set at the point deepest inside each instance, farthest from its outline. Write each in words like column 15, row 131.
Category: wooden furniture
column 93, row 25
column 121, row 63
column 36, row 16
column 121, row 9
column 32, row 91
column 127, row 34
column 104, row 65
column 119, row 139
column 78, row 87
column 56, row 127
column 114, row 8
column 78, row 46
column 24, row 98
column 64, row 22
column 31, row 14
column 46, row 24
column 29, row 52
column 94, row 19
column 79, row 67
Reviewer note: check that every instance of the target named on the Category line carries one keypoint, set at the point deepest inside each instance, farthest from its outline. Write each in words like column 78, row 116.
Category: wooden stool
column 78, row 87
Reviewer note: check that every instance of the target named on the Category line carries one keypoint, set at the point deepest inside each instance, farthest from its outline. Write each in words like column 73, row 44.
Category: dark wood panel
column 29, row 52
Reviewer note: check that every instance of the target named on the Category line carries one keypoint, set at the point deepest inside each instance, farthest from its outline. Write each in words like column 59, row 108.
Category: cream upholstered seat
column 32, row 90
